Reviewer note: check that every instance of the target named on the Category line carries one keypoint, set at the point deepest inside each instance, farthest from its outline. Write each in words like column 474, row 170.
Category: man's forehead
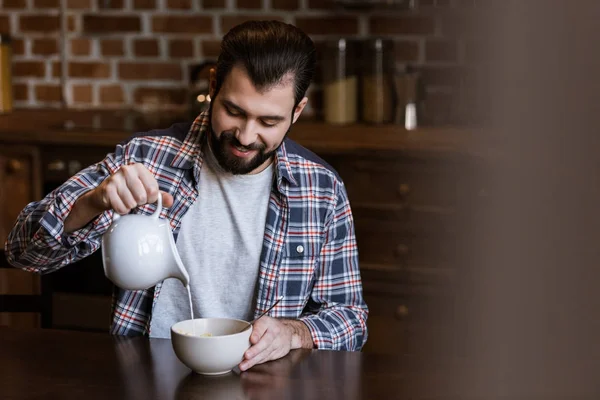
column 238, row 72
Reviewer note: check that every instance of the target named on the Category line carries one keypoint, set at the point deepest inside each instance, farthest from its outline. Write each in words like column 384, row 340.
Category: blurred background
column 465, row 132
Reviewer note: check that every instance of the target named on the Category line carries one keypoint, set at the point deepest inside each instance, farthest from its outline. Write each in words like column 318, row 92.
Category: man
column 255, row 215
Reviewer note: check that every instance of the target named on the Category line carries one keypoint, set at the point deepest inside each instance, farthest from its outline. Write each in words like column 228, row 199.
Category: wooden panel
column 399, row 181
column 78, row 311
column 20, row 320
column 389, row 336
column 407, row 324
column 19, row 184
column 15, row 281
column 61, row 163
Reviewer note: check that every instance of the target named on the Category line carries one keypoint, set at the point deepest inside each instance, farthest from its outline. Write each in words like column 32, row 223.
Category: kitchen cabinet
column 19, row 185
column 410, row 212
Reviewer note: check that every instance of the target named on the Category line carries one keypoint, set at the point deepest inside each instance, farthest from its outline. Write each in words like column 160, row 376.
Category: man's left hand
column 272, row 339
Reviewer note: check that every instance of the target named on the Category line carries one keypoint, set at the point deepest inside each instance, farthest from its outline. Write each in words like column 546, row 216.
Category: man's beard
column 221, row 146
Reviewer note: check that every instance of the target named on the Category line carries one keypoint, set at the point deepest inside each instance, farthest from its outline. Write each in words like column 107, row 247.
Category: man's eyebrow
column 240, row 110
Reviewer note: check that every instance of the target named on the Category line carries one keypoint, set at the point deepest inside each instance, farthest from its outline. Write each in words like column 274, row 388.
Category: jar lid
column 5, row 38
column 340, row 44
column 379, row 44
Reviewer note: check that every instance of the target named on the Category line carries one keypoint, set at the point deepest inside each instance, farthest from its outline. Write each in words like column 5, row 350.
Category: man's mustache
column 230, row 137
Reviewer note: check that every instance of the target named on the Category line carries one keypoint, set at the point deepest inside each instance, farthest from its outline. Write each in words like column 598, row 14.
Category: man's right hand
column 131, row 186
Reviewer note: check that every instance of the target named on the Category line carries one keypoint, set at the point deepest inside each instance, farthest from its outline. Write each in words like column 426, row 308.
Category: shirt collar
column 191, row 152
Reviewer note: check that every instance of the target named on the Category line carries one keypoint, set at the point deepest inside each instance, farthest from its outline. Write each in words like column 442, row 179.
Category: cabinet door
column 19, row 185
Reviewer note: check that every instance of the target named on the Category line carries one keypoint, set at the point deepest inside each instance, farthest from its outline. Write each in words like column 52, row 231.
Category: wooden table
column 51, row 364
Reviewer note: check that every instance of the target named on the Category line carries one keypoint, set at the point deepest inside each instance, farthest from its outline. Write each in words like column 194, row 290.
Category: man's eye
column 231, row 112
column 268, row 125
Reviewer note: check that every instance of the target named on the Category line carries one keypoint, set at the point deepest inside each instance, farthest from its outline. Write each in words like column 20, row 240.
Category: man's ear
column 299, row 108
column 212, row 86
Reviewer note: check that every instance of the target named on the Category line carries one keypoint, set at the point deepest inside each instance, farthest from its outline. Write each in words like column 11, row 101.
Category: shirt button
column 300, row 249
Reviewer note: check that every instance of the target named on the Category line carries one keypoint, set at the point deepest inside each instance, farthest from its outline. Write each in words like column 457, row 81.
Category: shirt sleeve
column 336, row 313
column 37, row 242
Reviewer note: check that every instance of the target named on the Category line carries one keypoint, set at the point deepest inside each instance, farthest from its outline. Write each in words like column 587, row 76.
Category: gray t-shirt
column 220, row 243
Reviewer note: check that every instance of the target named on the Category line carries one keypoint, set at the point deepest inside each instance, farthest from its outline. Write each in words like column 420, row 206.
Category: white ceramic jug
column 138, row 251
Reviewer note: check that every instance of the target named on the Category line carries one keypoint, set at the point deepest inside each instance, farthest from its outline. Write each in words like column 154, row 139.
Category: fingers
column 167, row 199
column 131, row 186
column 114, row 200
column 141, row 185
column 258, row 330
column 270, row 340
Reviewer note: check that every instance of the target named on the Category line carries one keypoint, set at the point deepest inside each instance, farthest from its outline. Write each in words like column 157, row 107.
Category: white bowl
column 211, row 355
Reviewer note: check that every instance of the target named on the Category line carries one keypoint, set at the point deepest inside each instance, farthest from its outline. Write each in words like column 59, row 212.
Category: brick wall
column 136, row 53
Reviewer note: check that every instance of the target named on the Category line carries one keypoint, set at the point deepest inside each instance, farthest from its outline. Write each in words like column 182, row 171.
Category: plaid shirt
column 309, row 251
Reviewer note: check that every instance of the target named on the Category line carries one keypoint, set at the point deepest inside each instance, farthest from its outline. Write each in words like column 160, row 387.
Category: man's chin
column 237, row 165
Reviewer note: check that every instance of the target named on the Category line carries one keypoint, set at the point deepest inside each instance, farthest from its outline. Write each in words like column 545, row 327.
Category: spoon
column 261, row 315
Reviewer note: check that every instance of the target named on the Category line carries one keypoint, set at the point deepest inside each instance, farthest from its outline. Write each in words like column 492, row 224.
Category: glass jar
column 6, row 97
column 377, row 81
column 340, row 82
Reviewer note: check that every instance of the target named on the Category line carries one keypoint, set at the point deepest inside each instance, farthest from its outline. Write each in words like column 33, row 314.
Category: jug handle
column 154, row 215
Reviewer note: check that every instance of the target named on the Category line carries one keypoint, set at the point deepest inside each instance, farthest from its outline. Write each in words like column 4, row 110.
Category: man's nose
column 247, row 134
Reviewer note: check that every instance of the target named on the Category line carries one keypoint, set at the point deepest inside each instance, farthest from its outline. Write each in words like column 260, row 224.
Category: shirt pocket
column 297, row 271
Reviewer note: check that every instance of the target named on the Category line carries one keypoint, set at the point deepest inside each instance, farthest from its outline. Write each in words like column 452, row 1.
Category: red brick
column 285, row 4
column 81, row 47
column 18, row 46
column 210, row 4
column 402, row 25
column 109, row 5
column 17, row 4
column 406, row 51
column 179, row 4
column 111, row 94
column 46, row 3
column 144, row 4
column 45, row 47
column 89, row 70
column 211, row 48
column 79, row 4
column 330, row 25
column 56, row 69
column 29, row 69
column 112, row 47
column 146, row 48
column 111, row 24
column 146, row 71
column 168, row 95
column 252, row 4
column 71, row 23
column 441, row 50
column 321, row 5
column 39, row 23
column 20, row 92
column 82, row 93
column 229, row 22
column 4, row 24
column 181, row 48
column 182, row 24
column 48, row 92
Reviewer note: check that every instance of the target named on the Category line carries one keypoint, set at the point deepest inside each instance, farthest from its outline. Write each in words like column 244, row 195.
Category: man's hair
column 268, row 50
